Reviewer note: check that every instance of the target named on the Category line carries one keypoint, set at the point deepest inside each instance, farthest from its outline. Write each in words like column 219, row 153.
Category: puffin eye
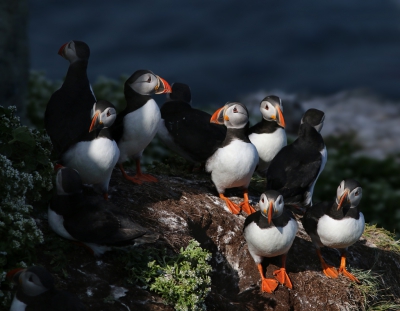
column 235, row 110
column 357, row 193
column 149, row 79
column 266, row 107
column 30, row 279
column 108, row 113
column 262, row 200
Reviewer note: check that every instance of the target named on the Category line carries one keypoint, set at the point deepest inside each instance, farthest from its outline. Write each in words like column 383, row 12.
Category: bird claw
column 269, row 285
column 247, row 208
column 283, row 277
column 349, row 275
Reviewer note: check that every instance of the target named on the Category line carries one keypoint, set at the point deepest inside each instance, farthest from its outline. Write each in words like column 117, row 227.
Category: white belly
column 270, row 242
column 268, row 145
column 340, row 233
column 140, row 127
column 93, row 160
column 56, row 223
column 233, row 165
column 17, row 305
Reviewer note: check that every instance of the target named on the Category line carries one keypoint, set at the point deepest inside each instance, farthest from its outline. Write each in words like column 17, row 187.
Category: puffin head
column 181, row 92
column 32, row 281
column 271, row 204
column 75, row 50
column 315, row 118
column 68, row 181
column 272, row 110
column 103, row 115
column 350, row 192
column 233, row 115
column 145, row 82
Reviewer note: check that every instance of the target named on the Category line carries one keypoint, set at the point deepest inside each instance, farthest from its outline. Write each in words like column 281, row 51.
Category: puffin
column 270, row 232
column 89, row 219
column 187, row 131
column 67, row 115
column 337, row 224
column 96, row 155
column 138, row 123
column 295, row 169
column 236, row 158
column 269, row 135
column 36, row 291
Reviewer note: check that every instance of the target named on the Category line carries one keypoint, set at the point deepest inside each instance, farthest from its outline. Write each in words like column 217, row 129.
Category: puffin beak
column 281, row 120
column 270, row 211
column 218, row 116
column 11, row 275
column 94, row 124
column 61, row 50
column 343, row 197
column 162, row 86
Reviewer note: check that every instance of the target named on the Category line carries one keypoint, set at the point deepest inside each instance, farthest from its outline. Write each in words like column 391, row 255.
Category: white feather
column 268, row 145
column 94, row 160
column 233, row 165
column 340, row 233
column 309, row 194
column 17, row 305
column 56, row 223
column 269, row 242
column 140, row 127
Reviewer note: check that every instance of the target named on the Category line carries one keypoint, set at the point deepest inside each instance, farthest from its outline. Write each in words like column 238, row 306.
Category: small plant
column 182, row 280
column 25, row 176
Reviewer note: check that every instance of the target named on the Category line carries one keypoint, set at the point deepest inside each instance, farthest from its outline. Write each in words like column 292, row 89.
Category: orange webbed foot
column 133, row 179
column 231, row 206
column 269, row 285
column 146, row 177
column 349, row 275
column 283, row 277
column 329, row 271
column 247, row 208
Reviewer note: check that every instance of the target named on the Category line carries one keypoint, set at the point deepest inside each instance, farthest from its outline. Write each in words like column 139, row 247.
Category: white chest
column 268, row 145
column 340, row 233
column 140, row 127
column 17, row 305
column 94, row 160
column 270, row 242
column 56, row 223
column 233, row 165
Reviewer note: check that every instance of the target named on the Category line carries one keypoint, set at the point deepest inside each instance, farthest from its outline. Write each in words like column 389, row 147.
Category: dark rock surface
column 183, row 208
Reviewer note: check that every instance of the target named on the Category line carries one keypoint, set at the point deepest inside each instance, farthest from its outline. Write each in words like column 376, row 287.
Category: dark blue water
column 224, row 49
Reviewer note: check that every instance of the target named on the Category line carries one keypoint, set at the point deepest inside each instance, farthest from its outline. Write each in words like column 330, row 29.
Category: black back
column 68, row 112
column 297, row 165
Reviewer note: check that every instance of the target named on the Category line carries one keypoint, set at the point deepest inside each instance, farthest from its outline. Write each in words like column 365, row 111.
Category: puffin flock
column 90, row 139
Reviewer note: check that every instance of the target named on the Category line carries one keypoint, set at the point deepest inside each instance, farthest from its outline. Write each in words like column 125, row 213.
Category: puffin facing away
column 269, row 134
column 186, row 130
column 295, row 169
column 336, row 224
column 95, row 156
column 96, row 223
column 234, row 162
column 270, row 232
column 138, row 123
column 67, row 115
column 35, row 291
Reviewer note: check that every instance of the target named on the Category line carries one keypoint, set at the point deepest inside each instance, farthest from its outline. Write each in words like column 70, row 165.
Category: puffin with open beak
column 234, row 162
column 269, row 134
column 35, row 291
column 270, row 232
column 138, row 123
column 337, row 224
column 96, row 155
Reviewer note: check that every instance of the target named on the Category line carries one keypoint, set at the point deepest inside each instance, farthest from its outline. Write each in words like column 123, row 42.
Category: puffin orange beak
column 217, row 117
column 270, row 210
column 61, row 50
column 163, row 87
column 94, row 123
column 10, row 275
column 344, row 196
column 281, row 120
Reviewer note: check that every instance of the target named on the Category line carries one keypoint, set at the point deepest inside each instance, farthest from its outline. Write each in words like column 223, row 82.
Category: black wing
column 313, row 214
column 292, row 172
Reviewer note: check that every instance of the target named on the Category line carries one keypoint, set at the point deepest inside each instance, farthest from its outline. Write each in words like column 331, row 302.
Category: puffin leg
column 232, row 206
column 84, row 246
column 143, row 177
column 330, row 271
column 105, row 196
column 342, row 268
column 126, row 176
column 281, row 274
column 267, row 285
column 245, row 205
